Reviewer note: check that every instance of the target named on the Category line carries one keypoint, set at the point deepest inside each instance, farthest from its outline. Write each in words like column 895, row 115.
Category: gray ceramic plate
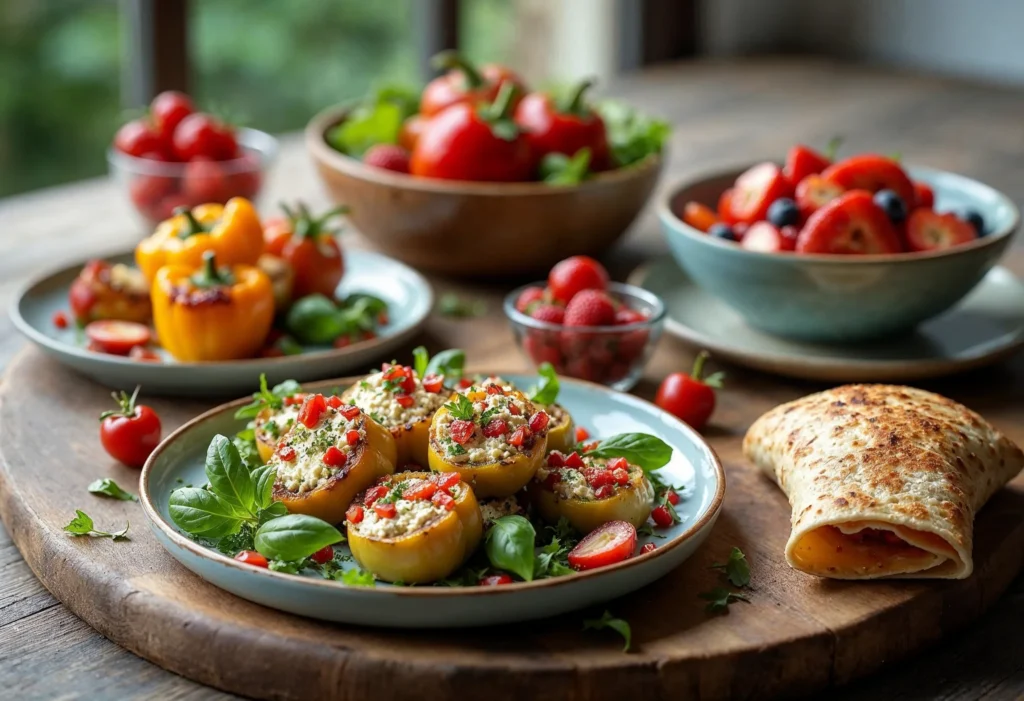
column 407, row 293
column 987, row 325
column 694, row 468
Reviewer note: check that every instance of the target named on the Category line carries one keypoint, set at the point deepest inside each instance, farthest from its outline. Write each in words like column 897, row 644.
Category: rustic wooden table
column 723, row 114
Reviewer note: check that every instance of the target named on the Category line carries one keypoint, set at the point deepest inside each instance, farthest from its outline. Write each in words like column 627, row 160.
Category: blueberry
column 893, row 206
column 784, row 212
column 722, row 231
column 975, row 219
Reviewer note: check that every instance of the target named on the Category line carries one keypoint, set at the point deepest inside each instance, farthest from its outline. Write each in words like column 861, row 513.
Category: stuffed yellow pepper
column 414, row 527
column 232, row 231
column 494, row 438
column 561, row 429
column 212, row 313
column 331, row 453
column 590, row 492
column 271, row 424
column 398, row 400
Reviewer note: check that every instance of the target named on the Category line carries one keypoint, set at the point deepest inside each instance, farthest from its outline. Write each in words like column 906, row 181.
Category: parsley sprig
column 460, row 407
column 82, row 524
column 619, row 625
column 736, row 570
column 268, row 398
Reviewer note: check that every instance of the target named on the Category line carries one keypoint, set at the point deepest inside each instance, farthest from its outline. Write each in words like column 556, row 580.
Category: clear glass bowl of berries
column 176, row 156
column 604, row 333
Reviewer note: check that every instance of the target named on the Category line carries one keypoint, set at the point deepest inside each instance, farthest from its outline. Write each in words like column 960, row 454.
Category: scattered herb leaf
column 509, row 546
column 82, row 524
column 559, row 169
column 640, row 449
column 110, row 488
column 736, row 568
column 546, row 391
column 719, row 599
column 460, row 407
column 619, row 625
column 452, row 305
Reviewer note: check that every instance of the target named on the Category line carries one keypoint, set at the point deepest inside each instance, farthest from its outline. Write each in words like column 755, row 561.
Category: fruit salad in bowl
column 829, row 250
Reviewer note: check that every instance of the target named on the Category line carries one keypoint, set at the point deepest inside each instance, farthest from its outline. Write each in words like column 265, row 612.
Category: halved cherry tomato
column 690, row 397
column 144, row 354
column 116, row 337
column 755, row 190
column 60, row 319
column 871, row 172
column 928, row 230
column 661, row 516
column 699, row 216
column 850, row 224
column 323, row 555
column 433, row 383
column 582, row 434
column 129, row 434
column 495, row 580
column 613, row 542
column 813, row 193
column 802, row 161
column 200, row 134
column 251, row 557
column 764, row 237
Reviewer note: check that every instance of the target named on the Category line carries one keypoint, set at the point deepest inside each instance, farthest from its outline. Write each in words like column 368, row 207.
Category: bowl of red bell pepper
column 477, row 175
column 831, row 249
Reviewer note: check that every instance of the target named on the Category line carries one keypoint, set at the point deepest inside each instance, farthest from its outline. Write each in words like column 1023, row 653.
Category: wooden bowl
column 474, row 229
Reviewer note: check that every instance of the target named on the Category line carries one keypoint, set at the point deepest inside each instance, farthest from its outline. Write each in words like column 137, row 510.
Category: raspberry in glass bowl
column 603, row 336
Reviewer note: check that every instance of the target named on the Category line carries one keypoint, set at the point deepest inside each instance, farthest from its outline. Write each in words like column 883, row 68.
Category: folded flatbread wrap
column 884, row 481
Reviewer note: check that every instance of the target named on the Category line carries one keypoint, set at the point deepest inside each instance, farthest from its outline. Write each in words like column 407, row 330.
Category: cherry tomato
column 690, row 397
column 137, row 138
column 613, row 542
column 312, row 249
column 495, row 580
column 199, row 134
column 251, row 557
column 129, row 434
column 661, row 516
column 564, row 126
column 60, row 319
column 323, row 555
column 167, row 110
column 648, row 548
column 204, row 181
column 144, row 354
column 464, row 83
column 117, row 337
column 575, row 274
column 582, row 434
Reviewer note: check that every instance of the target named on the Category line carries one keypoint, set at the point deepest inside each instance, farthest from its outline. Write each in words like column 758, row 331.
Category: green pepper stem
column 575, row 104
column 209, row 275
column 192, row 225
column 454, row 61
column 501, row 108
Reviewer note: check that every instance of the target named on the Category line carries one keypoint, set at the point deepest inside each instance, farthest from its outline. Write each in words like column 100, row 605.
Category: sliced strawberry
column 699, row 216
column 802, row 161
column 755, row 190
column 924, row 195
column 851, row 224
column 725, row 207
column 813, row 193
column 872, row 173
column 928, row 230
column 764, row 237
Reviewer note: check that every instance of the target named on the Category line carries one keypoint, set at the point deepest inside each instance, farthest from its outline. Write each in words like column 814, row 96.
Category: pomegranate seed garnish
column 556, row 459
column 323, row 555
column 494, row 389
column 60, row 320
column 574, row 460
column 286, row 453
column 538, row 422
column 514, row 409
column 553, row 478
column 334, row 457
column 671, row 497
column 648, row 548
column 519, row 436
column 582, row 434
column 352, row 437
column 495, row 580
column 404, row 400
column 662, row 518
column 620, row 476
column 349, row 412
column 354, row 514
column 433, row 383
column 495, row 428
column 294, row 399
column 618, row 464
column 385, row 510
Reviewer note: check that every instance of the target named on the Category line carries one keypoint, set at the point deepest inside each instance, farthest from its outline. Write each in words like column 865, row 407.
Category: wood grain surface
column 723, row 114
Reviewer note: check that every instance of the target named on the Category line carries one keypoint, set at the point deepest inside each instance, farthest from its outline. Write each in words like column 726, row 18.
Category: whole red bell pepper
column 474, row 142
column 464, row 82
column 564, row 126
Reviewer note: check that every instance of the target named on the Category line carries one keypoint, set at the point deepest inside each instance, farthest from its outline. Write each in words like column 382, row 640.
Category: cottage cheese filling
column 572, row 482
column 482, row 448
column 373, row 396
column 308, row 470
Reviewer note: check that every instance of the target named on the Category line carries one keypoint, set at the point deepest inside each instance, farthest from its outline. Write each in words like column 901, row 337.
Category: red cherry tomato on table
column 167, row 110
column 200, row 134
column 690, row 397
column 251, row 557
column 115, row 336
column 137, row 138
column 613, row 542
column 311, row 248
column 464, row 83
column 129, row 434
column 575, row 274
column 475, row 143
column 565, row 127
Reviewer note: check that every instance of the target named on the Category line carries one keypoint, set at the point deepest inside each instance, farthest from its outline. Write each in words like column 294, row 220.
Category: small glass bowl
column 156, row 188
column 610, row 355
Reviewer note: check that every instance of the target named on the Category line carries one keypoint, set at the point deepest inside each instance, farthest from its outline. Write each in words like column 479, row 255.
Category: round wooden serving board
column 798, row 634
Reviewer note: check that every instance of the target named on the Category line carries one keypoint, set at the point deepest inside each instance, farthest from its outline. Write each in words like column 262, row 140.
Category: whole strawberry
column 388, row 157
column 550, row 313
column 590, row 308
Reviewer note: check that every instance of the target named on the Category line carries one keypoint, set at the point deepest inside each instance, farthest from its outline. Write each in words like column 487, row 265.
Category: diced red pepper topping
column 465, row 383
column 409, row 383
column 519, row 436
column 495, row 580
column 494, row 389
column 294, row 399
column 312, row 409
column 538, row 422
column 495, row 428
column 354, row 514
column 662, row 518
column 374, row 493
column 60, row 320
column 446, row 480
column 251, row 557
column 419, row 491
column 404, row 400
column 323, row 555
column 433, row 383
column 556, row 459
column 514, row 409
column 574, row 460
column 334, row 401
column 349, row 412
column 444, row 500
column 385, row 510
column 334, row 457
column 461, row 431
column 582, row 434
column 620, row 476
column 671, row 497
column 647, row 548
column 598, row 477
column 286, row 453
column 352, row 437
column 618, row 464
column 604, row 491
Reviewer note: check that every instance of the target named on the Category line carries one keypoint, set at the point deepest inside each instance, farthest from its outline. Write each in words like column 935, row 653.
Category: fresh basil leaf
column 736, row 568
column 559, row 169
column 294, row 537
column 288, row 345
column 509, row 546
column 356, row 578
column 108, row 487
column 449, row 363
column 719, row 599
column 123, row 533
column 200, row 512
column 275, row 510
column 460, row 407
column 640, row 449
column 81, row 524
column 632, row 136
column 263, row 480
column 375, row 121
column 315, row 319
column 367, row 304
column 619, row 625
column 546, row 391
column 421, row 359
column 229, row 478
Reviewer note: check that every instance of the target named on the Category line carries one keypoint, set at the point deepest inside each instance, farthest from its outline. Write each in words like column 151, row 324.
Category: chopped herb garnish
column 719, row 599
column 619, row 625
column 461, row 408
column 109, row 488
column 82, row 524
column 736, row 568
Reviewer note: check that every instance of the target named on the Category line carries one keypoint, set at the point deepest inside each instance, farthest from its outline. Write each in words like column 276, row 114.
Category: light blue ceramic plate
column 408, row 294
column 694, row 468
column 987, row 325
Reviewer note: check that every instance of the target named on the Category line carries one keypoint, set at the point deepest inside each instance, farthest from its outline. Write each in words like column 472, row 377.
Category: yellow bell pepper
column 562, row 431
column 427, row 554
column 630, row 502
column 213, row 313
column 232, row 231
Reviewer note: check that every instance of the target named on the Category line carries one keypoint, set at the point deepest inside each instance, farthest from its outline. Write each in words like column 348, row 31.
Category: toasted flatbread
column 884, row 481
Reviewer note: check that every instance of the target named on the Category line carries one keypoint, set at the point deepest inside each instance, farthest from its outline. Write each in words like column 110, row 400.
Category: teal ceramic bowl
column 832, row 298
